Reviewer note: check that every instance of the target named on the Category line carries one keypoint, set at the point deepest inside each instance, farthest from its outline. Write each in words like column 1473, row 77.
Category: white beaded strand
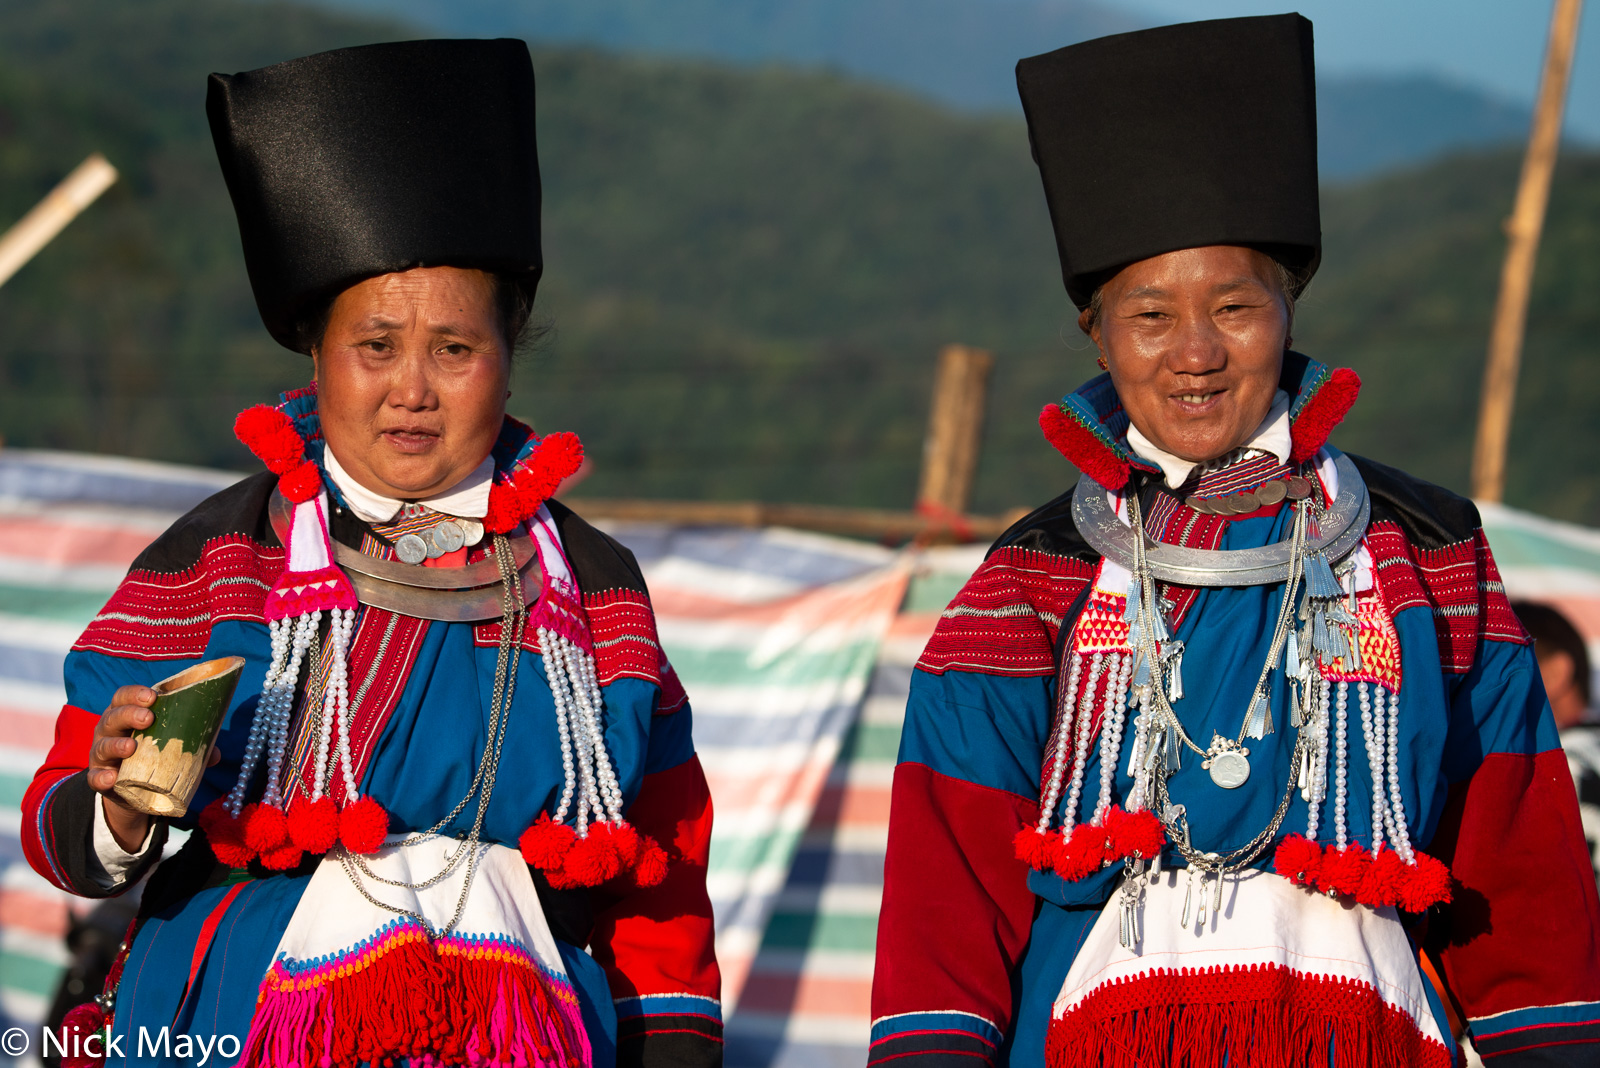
column 1373, row 738
column 1064, row 737
column 1399, row 833
column 1112, row 722
column 1319, row 766
column 1080, row 749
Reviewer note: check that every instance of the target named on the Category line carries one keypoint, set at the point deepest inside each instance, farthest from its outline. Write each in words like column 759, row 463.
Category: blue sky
column 1494, row 44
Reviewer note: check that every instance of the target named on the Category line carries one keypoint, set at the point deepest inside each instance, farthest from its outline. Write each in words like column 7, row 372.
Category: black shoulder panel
column 599, row 561
column 1431, row 516
column 239, row 509
column 1048, row 529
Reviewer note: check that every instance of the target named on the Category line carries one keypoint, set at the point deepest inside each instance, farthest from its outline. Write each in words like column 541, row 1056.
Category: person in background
column 1564, row 666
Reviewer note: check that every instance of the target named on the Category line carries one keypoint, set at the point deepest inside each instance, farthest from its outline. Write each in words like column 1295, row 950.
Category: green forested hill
column 748, row 274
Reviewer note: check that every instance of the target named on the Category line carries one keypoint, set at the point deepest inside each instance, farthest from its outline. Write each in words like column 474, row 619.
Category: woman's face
column 1194, row 341
column 411, row 379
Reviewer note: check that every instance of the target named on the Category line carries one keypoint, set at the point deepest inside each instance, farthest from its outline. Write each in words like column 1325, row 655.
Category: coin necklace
column 513, row 622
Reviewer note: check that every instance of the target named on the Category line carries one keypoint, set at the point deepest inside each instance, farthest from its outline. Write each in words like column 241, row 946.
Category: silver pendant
column 471, row 531
column 1229, row 769
column 411, row 549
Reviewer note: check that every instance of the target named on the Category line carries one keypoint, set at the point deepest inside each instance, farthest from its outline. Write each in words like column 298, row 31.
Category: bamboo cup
column 161, row 776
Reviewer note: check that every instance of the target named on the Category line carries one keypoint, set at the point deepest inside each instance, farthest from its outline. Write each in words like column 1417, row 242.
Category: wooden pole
column 1516, row 276
column 955, row 427
column 51, row 215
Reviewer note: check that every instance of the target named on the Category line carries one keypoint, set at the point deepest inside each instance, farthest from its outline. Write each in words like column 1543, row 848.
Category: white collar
column 468, row 498
column 1271, row 436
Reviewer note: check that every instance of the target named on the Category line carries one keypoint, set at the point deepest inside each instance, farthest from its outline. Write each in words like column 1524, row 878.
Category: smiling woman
column 1213, row 744
column 399, row 854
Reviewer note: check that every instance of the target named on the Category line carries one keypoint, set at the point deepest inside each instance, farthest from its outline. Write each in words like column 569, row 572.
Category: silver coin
column 1202, row 505
column 1299, row 487
column 411, row 549
column 448, row 536
column 1241, row 503
column 1229, row 769
column 471, row 531
column 434, row 551
column 1273, row 492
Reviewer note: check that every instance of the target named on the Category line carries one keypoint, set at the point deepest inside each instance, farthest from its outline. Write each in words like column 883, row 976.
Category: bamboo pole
column 1523, row 229
column 51, row 215
column 955, row 428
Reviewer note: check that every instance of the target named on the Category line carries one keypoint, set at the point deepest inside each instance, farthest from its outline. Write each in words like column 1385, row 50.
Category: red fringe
column 1262, row 1016
column 1078, row 443
column 1310, row 429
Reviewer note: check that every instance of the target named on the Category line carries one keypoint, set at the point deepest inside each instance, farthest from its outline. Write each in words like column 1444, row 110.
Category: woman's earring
column 1101, row 360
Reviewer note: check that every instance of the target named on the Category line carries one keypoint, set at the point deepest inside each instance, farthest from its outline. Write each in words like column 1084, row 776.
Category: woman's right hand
column 129, row 711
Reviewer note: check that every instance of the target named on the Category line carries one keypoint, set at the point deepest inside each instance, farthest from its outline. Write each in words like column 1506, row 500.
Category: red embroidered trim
column 1004, row 620
column 1459, row 583
column 169, row 615
column 1267, row 1016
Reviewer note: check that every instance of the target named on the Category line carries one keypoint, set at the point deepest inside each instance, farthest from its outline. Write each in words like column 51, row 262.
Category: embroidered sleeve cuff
column 1555, row 1035
column 669, row 1031
column 934, row 1040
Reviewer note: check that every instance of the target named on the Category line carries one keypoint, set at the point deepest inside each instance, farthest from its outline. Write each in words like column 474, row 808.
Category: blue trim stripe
column 46, row 845
column 1582, row 1012
column 912, row 1022
column 668, row 1005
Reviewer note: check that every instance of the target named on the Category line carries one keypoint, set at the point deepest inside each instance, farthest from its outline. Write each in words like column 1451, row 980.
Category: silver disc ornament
column 449, row 536
column 1229, row 769
column 411, row 549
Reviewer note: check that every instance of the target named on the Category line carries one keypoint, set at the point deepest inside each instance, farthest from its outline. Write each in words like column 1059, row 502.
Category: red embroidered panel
column 1459, row 583
column 1004, row 620
column 169, row 615
column 623, row 627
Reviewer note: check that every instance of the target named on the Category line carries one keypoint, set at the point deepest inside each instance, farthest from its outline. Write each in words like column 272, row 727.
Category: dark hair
column 513, row 306
column 1553, row 632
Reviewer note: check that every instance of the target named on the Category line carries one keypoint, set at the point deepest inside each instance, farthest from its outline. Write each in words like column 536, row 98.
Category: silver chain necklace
column 513, row 622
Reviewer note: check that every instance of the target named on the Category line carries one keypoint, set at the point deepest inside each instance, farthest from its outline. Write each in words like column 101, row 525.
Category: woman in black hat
column 1235, row 753
column 457, row 755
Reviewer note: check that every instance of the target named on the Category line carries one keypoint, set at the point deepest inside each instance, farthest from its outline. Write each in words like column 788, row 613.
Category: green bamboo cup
column 161, row 776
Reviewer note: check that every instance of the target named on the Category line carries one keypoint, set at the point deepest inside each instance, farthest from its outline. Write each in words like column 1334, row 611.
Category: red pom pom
column 556, row 458
column 1078, row 443
column 1082, row 854
column 283, row 858
column 302, row 483
column 363, row 826
column 314, row 825
column 505, row 509
column 265, row 827
column 225, row 835
column 76, row 1027
column 1324, row 411
column 270, row 435
column 651, row 865
column 1381, row 884
column 592, row 859
column 626, row 839
column 1134, row 834
column 1035, row 848
column 1298, row 859
column 1343, row 870
column 1425, row 884
column 545, row 844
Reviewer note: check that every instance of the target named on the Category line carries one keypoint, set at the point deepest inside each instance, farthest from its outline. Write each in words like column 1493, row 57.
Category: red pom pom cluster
column 1119, row 836
column 280, row 841
column 270, row 434
column 77, row 1027
column 1375, row 880
column 605, row 852
column 533, row 482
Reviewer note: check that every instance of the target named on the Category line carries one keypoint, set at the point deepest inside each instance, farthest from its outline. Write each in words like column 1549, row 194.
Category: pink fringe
column 478, row 1002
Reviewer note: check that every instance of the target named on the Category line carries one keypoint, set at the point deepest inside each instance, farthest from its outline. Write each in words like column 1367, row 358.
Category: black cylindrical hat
column 1177, row 137
column 362, row 161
